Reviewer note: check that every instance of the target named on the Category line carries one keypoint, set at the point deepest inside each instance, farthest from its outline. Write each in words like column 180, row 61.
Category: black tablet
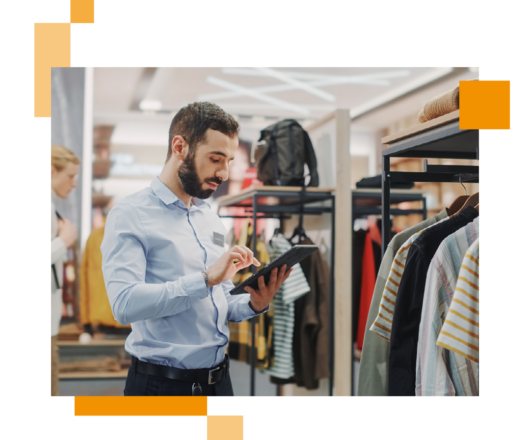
column 291, row 257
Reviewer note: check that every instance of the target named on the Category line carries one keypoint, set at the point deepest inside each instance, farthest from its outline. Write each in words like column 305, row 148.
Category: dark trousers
column 138, row 384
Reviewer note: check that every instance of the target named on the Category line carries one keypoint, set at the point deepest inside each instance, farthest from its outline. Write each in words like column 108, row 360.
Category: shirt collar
column 54, row 195
column 169, row 197
column 200, row 203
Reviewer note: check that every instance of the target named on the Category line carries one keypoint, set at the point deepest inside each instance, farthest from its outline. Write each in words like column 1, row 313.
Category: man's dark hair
column 192, row 122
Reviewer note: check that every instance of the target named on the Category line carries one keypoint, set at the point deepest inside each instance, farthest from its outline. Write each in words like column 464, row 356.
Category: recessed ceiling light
column 148, row 104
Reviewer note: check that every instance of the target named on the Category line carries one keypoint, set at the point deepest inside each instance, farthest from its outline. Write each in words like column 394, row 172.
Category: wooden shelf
column 392, row 191
column 429, row 125
column 122, row 374
column 400, row 160
column 247, row 193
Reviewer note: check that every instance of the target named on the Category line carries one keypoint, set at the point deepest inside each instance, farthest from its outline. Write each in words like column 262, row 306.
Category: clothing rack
column 281, row 201
column 367, row 202
column 440, row 138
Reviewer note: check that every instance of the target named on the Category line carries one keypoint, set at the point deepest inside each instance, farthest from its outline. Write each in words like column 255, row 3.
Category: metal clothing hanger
column 299, row 230
column 458, row 202
column 465, row 189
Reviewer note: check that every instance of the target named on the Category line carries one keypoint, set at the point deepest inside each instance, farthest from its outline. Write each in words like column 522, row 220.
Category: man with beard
column 166, row 270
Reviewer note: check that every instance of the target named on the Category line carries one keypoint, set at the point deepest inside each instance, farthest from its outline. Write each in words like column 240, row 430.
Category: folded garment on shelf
column 104, row 364
column 375, row 182
column 440, row 105
column 70, row 332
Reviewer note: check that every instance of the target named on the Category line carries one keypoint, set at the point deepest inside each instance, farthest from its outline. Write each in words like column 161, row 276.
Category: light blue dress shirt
column 154, row 251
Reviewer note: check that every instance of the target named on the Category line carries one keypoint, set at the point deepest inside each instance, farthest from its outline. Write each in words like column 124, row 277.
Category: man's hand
column 226, row 266
column 67, row 232
column 260, row 299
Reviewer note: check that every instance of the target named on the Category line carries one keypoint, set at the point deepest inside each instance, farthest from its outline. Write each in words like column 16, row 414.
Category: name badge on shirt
column 219, row 239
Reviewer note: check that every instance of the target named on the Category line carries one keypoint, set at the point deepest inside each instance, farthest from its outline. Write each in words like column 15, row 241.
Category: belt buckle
column 210, row 375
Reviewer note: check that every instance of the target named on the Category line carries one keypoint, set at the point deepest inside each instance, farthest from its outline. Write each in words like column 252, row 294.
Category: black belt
column 202, row 375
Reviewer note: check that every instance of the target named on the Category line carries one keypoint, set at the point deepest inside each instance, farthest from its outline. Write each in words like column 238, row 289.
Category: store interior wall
column 67, row 129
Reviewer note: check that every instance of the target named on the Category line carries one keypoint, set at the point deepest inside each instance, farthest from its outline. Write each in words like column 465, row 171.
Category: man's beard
column 192, row 183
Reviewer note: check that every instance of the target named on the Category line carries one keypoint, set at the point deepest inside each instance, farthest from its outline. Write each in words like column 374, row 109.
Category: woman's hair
column 61, row 156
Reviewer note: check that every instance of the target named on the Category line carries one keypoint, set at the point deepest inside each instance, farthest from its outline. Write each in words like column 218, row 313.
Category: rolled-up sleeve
column 124, row 250
column 238, row 305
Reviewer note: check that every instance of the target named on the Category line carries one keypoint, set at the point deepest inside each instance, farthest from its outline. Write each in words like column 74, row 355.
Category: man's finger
column 244, row 255
column 289, row 272
column 237, row 255
column 251, row 291
column 255, row 262
column 261, row 283
column 242, row 252
column 250, row 255
column 274, row 277
column 281, row 275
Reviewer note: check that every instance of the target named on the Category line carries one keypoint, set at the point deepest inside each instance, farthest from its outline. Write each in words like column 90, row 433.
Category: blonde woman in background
column 65, row 166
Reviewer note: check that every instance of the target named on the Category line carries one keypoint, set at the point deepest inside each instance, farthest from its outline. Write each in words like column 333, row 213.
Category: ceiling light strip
column 296, row 83
column 257, row 95
column 377, row 79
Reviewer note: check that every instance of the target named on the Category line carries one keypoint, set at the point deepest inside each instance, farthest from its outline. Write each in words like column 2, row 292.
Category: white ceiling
column 256, row 97
column 307, row 93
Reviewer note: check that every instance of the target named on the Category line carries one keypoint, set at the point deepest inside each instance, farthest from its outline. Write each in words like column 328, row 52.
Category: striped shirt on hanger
column 373, row 369
column 382, row 325
column 440, row 372
column 283, row 303
column 489, row 317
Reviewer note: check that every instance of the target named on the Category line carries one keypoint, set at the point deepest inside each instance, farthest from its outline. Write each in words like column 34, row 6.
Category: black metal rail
column 297, row 206
column 444, row 142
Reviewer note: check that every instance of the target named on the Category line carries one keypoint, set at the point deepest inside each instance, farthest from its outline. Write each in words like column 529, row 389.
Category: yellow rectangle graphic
column 81, row 11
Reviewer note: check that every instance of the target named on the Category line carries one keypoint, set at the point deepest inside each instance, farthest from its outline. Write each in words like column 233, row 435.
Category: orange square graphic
column 494, row 105
column 81, row 11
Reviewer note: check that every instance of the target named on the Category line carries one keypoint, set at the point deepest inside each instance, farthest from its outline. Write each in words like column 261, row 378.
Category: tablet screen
column 290, row 258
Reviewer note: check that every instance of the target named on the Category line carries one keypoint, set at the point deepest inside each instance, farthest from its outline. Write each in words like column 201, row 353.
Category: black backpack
column 286, row 148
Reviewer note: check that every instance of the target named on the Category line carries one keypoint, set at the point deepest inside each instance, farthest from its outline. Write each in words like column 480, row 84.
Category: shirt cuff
column 194, row 285
column 253, row 313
